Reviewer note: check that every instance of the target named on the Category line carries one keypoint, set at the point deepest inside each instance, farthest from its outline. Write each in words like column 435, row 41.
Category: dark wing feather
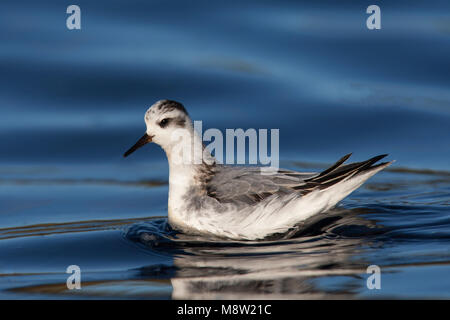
column 249, row 186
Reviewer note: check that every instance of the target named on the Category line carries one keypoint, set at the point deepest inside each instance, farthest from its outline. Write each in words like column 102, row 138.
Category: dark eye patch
column 180, row 121
column 164, row 122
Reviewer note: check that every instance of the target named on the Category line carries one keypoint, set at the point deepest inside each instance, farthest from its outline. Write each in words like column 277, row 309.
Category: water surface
column 73, row 101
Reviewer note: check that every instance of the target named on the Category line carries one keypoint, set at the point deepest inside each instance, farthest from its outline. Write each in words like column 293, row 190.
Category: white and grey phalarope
column 238, row 202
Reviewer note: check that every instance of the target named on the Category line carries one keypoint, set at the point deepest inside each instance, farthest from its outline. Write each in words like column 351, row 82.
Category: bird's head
column 163, row 119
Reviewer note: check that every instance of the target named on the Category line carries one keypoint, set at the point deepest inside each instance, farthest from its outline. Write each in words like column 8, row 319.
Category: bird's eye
column 163, row 122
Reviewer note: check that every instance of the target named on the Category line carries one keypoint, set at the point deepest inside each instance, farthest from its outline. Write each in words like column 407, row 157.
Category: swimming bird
column 239, row 202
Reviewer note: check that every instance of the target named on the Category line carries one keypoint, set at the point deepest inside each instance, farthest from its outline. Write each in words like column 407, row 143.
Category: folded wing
column 247, row 185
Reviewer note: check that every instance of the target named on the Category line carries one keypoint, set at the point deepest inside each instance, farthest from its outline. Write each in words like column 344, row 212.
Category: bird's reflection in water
column 286, row 266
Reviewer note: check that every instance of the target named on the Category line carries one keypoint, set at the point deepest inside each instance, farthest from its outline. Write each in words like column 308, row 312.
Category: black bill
column 141, row 142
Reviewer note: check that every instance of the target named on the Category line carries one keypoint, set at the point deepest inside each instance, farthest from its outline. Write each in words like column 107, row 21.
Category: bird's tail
column 339, row 172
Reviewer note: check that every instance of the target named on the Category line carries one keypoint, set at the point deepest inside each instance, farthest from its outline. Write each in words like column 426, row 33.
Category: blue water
column 73, row 101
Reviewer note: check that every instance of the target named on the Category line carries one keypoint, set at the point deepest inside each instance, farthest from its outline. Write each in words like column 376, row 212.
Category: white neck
column 184, row 158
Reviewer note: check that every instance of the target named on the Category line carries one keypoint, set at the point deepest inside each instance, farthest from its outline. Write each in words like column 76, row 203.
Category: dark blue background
column 72, row 101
